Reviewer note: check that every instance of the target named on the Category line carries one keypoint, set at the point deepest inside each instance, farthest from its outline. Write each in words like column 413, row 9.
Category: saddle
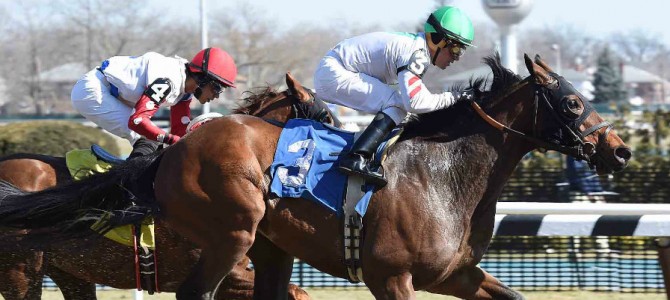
column 305, row 166
column 85, row 162
column 102, row 154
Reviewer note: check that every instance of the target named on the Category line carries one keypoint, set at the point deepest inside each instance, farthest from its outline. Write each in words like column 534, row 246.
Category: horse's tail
column 123, row 195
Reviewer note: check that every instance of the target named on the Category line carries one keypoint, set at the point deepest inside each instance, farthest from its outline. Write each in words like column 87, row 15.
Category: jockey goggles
column 217, row 88
column 455, row 48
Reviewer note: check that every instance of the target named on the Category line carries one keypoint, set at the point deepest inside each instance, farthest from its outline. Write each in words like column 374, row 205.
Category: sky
column 598, row 17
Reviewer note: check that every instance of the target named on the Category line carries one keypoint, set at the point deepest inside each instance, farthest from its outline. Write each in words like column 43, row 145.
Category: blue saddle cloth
column 305, row 163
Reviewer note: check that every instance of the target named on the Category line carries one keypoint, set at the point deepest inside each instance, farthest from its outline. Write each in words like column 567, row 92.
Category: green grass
column 363, row 294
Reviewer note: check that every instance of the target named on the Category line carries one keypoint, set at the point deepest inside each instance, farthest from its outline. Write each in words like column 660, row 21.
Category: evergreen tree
column 607, row 80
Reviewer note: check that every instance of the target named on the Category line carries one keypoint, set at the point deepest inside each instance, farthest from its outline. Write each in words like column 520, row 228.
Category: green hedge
column 541, row 177
column 52, row 138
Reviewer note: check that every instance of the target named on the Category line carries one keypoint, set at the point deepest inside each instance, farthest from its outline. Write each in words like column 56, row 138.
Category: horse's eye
column 571, row 107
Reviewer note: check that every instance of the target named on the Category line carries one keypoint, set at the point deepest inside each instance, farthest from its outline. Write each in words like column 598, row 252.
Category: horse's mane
column 313, row 110
column 255, row 98
column 439, row 121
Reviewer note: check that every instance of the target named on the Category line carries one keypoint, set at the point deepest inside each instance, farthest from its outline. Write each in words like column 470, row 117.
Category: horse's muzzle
column 622, row 156
column 606, row 164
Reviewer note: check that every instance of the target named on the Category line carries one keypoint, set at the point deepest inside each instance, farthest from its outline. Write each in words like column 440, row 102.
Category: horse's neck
column 509, row 150
column 275, row 110
column 462, row 172
column 468, row 166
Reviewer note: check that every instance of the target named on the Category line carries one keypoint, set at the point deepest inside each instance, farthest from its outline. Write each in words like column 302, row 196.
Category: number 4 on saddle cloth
column 305, row 164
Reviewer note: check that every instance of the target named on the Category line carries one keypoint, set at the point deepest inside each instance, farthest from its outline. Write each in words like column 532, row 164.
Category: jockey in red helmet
column 124, row 92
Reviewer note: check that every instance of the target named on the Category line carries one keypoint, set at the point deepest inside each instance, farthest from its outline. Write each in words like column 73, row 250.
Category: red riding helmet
column 215, row 63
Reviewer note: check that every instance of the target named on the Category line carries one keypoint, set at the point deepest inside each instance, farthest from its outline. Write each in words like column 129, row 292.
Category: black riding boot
column 357, row 160
column 142, row 147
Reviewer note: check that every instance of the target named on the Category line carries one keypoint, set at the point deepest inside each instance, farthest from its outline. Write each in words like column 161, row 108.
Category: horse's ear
column 539, row 74
column 539, row 61
column 296, row 88
column 529, row 63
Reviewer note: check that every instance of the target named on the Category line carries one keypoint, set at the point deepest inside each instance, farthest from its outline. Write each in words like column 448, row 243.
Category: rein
column 312, row 108
column 296, row 108
column 582, row 150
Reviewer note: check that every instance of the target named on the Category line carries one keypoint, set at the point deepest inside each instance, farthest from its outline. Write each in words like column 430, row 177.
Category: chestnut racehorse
column 426, row 230
column 64, row 265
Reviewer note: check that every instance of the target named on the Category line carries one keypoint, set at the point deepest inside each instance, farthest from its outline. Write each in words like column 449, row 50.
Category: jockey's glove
column 463, row 96
column 171, row 139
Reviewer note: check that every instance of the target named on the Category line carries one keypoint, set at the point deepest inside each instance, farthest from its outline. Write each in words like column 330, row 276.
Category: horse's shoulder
column 240, row 119
column 229, row 124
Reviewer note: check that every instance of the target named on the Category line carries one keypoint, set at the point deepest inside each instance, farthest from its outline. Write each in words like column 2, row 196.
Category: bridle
column 312, row 108
column 557, row 91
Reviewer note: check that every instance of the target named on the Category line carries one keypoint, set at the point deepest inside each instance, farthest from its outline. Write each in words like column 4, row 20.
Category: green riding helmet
column 452, row 23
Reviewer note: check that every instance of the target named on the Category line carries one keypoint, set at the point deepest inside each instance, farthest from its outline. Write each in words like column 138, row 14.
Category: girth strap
column 353, row 225
column 146, row 272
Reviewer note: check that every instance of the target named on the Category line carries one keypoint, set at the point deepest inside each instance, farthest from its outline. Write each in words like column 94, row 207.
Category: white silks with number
column 129, row 76
column 360, row 73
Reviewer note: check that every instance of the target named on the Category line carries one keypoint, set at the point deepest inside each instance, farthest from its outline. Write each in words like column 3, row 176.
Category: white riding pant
column 91, row 96
column 334, row 83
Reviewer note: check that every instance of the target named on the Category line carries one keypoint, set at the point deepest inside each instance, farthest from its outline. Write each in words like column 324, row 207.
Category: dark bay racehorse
column 426, row 230
column 23, row 269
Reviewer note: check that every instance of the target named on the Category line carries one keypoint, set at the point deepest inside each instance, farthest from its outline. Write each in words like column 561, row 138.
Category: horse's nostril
column 623, row 153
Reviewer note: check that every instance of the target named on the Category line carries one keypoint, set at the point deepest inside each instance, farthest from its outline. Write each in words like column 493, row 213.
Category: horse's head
column 564, row 120
column 295, row 102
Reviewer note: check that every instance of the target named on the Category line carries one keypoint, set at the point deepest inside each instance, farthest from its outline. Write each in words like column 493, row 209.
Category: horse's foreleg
column 225, row 229
column 273, row 269
column 297, row 293
column 209, row 273
column 392, row 288
column 475, row 283
column 239, row 284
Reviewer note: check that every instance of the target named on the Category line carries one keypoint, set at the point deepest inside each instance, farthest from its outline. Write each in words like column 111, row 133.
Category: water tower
column 507, row 14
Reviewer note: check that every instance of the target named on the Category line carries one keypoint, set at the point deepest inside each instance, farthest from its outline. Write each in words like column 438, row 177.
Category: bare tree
column 250, row 39
column 263, row 53
column 132, row 28
column 642, row 49
column 30, row 28
column 573, row 43
column 637, row 45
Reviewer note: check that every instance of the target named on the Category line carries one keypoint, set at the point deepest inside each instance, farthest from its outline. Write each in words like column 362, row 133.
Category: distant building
column 642, row 85
column 645, row 87
column 56, row 84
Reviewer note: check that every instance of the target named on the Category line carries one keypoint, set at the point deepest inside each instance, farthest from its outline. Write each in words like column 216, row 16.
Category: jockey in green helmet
column 448, row 27
column 358, row 73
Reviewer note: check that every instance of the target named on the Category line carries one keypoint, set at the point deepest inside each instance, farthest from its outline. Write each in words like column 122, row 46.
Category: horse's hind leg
column 22, row 275
column 475, row 283
column 72, row 287
column 273, row 269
